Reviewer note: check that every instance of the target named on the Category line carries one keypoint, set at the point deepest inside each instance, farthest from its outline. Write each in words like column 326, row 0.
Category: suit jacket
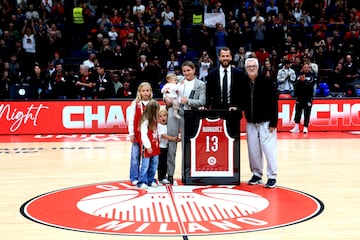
column 197, row 96
column 213, row 89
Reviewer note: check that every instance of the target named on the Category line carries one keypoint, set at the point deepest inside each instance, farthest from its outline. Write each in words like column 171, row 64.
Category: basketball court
column 323, row 165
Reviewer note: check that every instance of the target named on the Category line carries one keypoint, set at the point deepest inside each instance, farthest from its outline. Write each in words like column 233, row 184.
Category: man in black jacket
column 260, row 105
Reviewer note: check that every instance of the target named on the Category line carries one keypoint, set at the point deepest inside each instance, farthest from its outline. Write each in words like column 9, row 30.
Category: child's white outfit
column 170, row 90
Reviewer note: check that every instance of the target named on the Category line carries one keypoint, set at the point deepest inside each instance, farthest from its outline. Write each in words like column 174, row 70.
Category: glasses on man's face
column 251, row 66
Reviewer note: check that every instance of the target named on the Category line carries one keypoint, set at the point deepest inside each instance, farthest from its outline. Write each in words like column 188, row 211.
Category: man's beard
column 225, row 64
column 252, row 75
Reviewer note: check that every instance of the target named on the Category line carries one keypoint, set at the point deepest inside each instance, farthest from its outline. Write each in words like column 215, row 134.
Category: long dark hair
column 151, row 114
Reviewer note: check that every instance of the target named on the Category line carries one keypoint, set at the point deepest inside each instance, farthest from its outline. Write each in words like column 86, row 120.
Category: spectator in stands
column 38, row 82
column 144, row 50
column 138, row 9
column 288, row 44
column 235, row 36
column 5, row 83
column 183, row 55
column 257, row 17
column 113, row 36
column 106, row 53
column 48, row 4
column 54, row 28
column 336, row 81
column 5, row 50
column 262, row 54
column 205, row 38
column 125, row 91
column 87, row 49
column 248, row 36
column 285, row 79
column 167, row 50
column 168, row 20
column 172, row 63
column 124, row 34
column 97, row 42
column 178, row 34
column 141, row 69
column 53, row 44
column 142, row 34
column 269, row 72
column 50, row 69
column 59, row 83
column 156, row 40
column 297, row 65
column 84, row 84
column 104, row 21
column 90, row 61
column 351, row 72
column 29, row 45
column 32, row 14
column 58, row 12
column 274, row 59
column 103, row 84
column 155, row 75
column 117, row 85
column 239, row 58
column 272, row 9
column 118, row 60
column 116, row 19
column 151, row 15
column 219, row 39
column 14, row 68
column 205, row 64
column 14, row 33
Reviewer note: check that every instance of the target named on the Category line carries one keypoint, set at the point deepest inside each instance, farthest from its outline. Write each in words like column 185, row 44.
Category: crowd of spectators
column 118, row 44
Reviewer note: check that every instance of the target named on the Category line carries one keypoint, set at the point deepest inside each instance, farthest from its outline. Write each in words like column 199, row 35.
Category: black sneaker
column 271, row 183
column 254, row 180
column 171, row 179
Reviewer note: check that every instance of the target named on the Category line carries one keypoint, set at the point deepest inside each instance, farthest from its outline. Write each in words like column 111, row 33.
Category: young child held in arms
column 170, row 90
column 150, row 145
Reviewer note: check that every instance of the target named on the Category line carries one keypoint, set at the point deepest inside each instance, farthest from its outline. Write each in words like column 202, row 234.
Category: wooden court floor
column 325, row 165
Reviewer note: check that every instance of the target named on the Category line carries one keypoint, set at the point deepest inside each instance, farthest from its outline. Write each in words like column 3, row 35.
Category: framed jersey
column 211, row 147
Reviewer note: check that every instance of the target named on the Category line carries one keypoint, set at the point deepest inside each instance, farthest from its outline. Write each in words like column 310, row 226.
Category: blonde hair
column 138, row 93
column 163, row 110
column 171, row 76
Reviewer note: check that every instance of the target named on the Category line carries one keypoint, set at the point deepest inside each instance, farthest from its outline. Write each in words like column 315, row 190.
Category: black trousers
column 162, row 167
column 303, row 105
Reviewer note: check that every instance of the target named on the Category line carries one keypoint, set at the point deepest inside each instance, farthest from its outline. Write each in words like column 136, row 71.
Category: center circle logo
column 171, row 210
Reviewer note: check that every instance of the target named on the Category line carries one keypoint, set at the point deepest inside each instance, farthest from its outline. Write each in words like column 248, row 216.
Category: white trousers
column 262, row 143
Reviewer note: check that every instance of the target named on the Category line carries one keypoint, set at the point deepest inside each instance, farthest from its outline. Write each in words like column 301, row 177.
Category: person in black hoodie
column 260, row 106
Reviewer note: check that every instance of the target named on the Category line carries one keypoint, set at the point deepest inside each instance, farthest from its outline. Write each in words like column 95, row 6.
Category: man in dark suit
column 223, row 84
column 223, row 91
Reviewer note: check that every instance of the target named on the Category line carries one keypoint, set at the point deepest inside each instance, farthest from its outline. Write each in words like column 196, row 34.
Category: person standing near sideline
column 192, row 95
column 304, row 88
column 260, row 105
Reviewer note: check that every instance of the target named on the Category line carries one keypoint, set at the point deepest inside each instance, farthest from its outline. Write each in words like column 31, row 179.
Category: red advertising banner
column 70, row 117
